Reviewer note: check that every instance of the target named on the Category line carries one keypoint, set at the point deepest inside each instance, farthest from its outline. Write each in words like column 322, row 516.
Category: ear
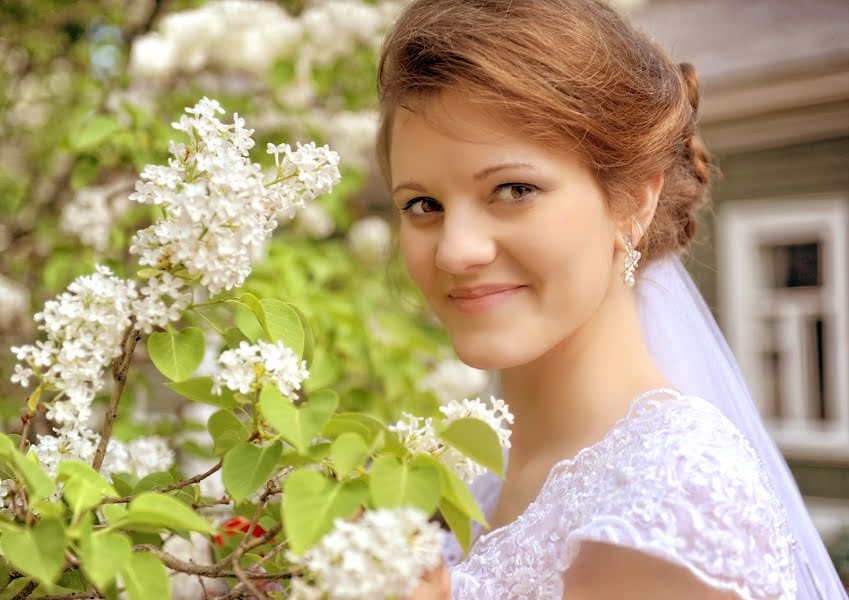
column 645, row 205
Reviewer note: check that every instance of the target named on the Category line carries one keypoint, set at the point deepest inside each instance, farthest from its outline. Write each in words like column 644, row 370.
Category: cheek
column 417, row 252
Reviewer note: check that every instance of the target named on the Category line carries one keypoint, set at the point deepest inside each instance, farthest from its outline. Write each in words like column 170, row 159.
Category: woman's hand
column 434, row 585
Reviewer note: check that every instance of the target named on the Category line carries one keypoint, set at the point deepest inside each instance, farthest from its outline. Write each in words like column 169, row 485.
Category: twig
column 218, row 569
column 73, row 596
column 120, row 366
column 169, row 488
column 28, row 589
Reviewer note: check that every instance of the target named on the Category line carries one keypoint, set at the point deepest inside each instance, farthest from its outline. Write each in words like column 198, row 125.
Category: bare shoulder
column 602, row 571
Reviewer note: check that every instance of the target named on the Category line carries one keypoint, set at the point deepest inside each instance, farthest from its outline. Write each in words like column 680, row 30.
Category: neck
column 569, row 397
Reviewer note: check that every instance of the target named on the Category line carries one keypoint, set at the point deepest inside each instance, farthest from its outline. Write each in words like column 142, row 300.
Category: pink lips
column 483, row 297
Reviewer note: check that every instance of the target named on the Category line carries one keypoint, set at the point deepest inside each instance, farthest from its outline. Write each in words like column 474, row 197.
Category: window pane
column 792, row 265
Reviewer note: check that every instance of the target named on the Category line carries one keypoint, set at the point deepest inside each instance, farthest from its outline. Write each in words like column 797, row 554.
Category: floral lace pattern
column 673, row 478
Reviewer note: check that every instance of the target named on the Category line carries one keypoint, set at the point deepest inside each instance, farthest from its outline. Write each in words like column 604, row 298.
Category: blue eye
column 514, row 193
column 425, row 206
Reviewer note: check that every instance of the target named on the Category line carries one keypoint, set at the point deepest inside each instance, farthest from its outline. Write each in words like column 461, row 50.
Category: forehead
column 452, row 131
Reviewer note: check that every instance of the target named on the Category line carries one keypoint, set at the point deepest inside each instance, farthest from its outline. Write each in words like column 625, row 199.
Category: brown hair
column 571, row 74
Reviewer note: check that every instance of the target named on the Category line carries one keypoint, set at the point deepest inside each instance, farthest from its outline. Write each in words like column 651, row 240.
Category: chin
column 492, row 355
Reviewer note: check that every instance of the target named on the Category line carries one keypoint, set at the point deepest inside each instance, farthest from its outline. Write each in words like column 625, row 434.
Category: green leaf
column 177, row 355
column 478, row 441
column 247, row 323
column 84, row 487
column 459, row 523
column 454, row 489
column 152, row 511
column 38, row 484
column 145, row 578
column 309, row 338
column 283, row 324
column 199, row 389
column 102, row 556
column 314, row 455
column 227, row 431
column 246, row 467
column 311, row 502
column 348, row 452
column 38, row 551
column 233, row 337
column 152, row 480
column 368, row 427
column 297, row 424
column 94, row 132
column 15, row 587
column 393, row 483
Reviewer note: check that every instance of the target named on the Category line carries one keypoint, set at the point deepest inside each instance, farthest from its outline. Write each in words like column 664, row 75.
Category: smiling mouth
column 484, row 302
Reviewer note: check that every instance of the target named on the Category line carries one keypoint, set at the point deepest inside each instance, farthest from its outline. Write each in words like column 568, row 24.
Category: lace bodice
column 673, row 478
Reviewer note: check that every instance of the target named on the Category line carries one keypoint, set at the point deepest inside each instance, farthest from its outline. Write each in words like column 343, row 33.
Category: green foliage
column 396, row 483
column 247, row 468
column 103, row 554
column 145, row 577
column 311, row 502
column 478, row 441
column 177, row 354
column 38, row 550
column 298, row 425
column 151, row 511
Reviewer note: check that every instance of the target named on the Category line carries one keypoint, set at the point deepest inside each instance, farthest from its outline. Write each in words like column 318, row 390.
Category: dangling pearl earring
column 632, row 259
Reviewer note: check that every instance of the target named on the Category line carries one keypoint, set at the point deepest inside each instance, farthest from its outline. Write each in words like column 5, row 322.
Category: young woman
column 544, row 158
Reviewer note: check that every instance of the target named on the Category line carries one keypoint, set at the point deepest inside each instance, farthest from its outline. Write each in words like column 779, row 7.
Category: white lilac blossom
column 454, row 379
column 219, row 211
column 251, row 35
column 14, row 302
column 140, row 457
column 92, row 212
column 419, row 435
column 84, row 327
column 164, row 298
column 242, row 35
column 368, row 238
column 253, row 366
column 382, row 555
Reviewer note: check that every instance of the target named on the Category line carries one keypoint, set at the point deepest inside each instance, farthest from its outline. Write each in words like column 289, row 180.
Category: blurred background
column 88, row 90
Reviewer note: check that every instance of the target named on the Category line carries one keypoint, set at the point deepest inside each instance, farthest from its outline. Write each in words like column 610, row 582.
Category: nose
column 464, row 243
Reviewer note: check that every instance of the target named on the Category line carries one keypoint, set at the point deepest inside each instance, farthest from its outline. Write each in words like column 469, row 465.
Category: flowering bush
column 324, row 501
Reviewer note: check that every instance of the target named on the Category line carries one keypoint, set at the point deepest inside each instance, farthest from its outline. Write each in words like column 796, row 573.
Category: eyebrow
column 482, row 174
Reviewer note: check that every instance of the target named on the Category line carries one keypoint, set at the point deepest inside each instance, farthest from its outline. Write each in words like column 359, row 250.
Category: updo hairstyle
column 569, row 74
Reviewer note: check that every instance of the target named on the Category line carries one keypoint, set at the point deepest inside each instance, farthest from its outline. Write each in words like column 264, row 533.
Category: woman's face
column 511, row 243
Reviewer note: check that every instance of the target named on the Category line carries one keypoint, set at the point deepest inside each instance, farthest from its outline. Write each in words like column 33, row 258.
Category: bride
column 545, row 161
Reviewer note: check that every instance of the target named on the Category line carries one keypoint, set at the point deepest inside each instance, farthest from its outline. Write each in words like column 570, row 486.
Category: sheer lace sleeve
column 676, row 480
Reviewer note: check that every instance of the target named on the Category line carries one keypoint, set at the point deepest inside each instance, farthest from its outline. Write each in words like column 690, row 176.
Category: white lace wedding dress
column 673, row 478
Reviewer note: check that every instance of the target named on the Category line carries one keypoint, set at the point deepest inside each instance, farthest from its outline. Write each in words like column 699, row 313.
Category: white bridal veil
column 691, row 351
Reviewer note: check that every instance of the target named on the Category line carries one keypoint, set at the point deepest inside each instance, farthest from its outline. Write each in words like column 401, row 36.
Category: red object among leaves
column 235, row 526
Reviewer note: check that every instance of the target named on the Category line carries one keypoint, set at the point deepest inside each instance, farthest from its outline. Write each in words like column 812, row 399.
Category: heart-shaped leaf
column 177, row 354
column 393, row 483
column 38, row 551
column 246, row 467
column 311, row 502
column 348, row 452
column 284, row 324
column 297, row 424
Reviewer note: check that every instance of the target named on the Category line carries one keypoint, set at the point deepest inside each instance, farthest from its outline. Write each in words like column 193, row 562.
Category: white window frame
column 744, row 226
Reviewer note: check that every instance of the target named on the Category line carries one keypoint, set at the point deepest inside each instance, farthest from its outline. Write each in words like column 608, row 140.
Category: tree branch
column 169, row 488
column 120, row 366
